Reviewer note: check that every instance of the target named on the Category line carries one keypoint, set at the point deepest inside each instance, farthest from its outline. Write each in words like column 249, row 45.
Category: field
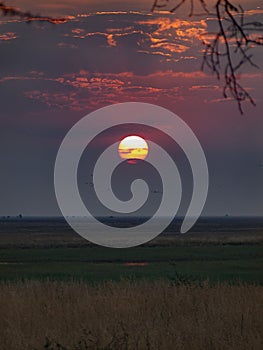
column 128, row 315
column 229, row 250
column 202, row 290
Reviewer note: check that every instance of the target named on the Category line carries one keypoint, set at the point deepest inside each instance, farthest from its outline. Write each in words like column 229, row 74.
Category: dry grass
column 126, row 315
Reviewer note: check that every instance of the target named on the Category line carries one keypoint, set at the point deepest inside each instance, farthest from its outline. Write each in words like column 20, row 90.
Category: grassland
column 203, row 290
column 130, row 315
column 231, row 252
column 93, row 264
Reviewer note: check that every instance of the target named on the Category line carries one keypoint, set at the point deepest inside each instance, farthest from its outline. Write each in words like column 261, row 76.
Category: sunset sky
column 116, row 51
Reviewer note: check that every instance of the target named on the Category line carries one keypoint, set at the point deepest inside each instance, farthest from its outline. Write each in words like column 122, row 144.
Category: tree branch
column 227, row 52
column 28, row 16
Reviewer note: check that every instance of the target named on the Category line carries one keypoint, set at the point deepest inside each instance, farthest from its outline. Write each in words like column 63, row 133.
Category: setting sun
column 133, row 147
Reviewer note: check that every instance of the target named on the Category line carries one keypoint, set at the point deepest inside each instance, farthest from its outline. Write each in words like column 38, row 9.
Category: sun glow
column 133, row 147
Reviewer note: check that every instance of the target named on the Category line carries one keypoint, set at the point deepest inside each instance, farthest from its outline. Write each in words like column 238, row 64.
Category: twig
column 230, row 43
column 27, row 15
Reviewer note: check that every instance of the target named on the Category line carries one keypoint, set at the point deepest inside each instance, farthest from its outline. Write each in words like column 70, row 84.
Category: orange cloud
column 111, row 41
column 8, row 36
column 94, row 90
column 174, row 35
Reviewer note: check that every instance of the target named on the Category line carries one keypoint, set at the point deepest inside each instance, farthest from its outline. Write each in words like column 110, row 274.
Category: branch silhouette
column 228, row 49
column 27, row 15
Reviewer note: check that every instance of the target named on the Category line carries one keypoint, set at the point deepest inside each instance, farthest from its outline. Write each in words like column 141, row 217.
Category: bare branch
column 228, row 51
column 28, row 16
column 164, row 3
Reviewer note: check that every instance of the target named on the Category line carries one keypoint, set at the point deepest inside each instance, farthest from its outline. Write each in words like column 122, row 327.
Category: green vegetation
column 91, row 263
column 219, row 250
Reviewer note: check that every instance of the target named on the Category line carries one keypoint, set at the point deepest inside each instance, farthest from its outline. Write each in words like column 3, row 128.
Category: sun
column 133, row 147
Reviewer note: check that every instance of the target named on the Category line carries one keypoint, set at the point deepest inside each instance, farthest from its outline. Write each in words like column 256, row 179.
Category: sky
column 107, row 52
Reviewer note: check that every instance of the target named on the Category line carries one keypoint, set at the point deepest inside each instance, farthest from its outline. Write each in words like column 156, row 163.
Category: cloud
column 173, row 35
column 108, row 42
column 204, row 87
column 83, row 90
column 8, row 36
column 103, row 58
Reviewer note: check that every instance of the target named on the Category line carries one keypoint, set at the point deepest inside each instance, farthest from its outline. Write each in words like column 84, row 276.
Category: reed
column 130, row 315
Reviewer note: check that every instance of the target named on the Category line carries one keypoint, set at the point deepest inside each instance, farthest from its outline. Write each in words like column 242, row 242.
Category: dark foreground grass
column 130, row 315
